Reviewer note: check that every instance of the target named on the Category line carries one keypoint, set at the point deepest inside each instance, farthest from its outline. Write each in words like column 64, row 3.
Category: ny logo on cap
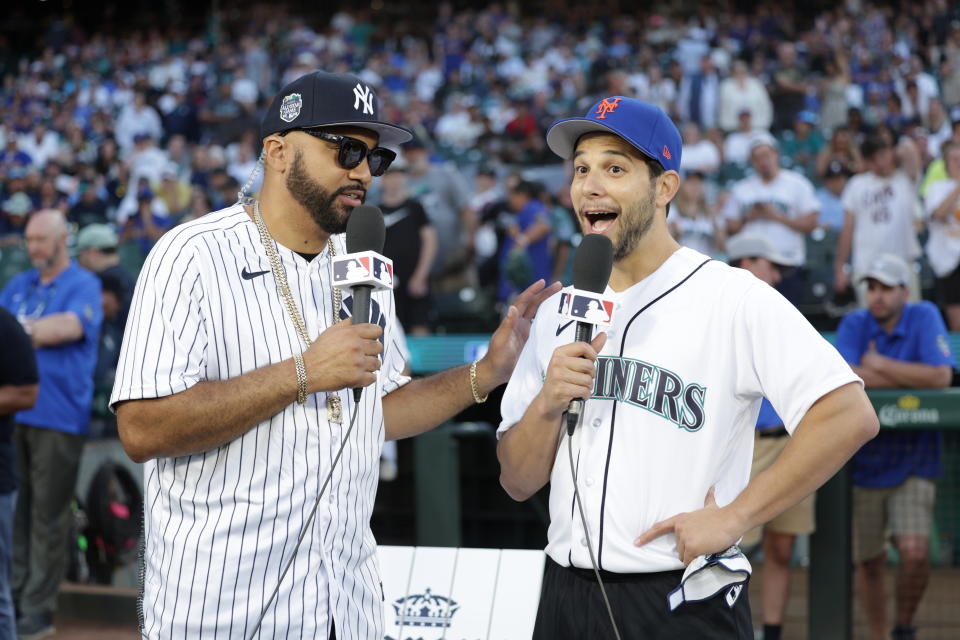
column 606, row 107
column 365, row 96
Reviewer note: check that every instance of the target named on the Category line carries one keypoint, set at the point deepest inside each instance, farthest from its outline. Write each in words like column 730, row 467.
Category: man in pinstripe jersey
column 207, row 391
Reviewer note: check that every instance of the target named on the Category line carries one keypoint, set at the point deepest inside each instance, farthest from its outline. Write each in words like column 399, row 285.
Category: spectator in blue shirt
column 58, row 304
column 525, row 254
column 831, row 205
column 895, row 344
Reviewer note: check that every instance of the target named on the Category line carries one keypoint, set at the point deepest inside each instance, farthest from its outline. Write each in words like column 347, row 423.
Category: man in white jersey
column 673, row 390
column 780, row 205
column 881, row 207
column 234, row 386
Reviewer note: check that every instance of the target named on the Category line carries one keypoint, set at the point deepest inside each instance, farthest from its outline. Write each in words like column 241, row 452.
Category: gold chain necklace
column 334, row 406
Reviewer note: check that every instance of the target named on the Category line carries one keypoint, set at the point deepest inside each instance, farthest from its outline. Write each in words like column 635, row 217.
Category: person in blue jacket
column 893, row 343
column 58, row 304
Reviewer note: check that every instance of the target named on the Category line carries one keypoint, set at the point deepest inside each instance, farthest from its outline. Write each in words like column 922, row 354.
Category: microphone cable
column 308, row 523
column 586, row 533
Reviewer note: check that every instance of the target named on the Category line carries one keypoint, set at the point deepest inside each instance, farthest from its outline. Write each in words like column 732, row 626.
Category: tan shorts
column 906, row 509
column 798, row 519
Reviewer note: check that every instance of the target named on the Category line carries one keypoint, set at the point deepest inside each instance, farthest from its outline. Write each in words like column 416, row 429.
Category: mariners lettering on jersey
column 658, row 390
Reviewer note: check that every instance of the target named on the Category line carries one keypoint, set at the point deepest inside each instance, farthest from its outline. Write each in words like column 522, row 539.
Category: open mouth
column 353, row 198
column 600, row 221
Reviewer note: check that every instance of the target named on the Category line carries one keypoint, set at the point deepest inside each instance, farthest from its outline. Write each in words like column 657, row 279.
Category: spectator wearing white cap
column 893, row 344
column 96, row 249
column 778, row 204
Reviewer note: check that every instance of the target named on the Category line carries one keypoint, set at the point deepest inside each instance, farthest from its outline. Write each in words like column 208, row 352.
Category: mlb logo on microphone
column 383, row 271
column 366, row 267
column 586, row 306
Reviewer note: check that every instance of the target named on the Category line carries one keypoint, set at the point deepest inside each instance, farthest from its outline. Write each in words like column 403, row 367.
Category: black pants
column 572, row 608
column 47, row 464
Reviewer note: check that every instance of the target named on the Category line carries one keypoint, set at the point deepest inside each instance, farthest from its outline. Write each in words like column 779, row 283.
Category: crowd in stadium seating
column 143, row 131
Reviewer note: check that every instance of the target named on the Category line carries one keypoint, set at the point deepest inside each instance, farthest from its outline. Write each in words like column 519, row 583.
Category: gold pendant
column 334, row 409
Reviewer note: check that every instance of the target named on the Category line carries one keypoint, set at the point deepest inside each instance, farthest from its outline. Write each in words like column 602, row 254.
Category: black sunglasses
column 351, row 152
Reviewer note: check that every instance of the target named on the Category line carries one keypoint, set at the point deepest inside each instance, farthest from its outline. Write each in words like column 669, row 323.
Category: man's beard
column 320, row 204
column 46, row 264
column 633, row 226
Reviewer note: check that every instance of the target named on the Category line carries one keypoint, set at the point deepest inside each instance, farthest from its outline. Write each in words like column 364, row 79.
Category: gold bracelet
column 473, row 385
column 301, row 378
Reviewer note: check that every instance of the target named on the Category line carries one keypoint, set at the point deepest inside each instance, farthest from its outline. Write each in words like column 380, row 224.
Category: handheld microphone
column 365, row 233
column 592, row 264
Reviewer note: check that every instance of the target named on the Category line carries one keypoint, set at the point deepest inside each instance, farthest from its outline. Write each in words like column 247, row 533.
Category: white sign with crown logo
column 459, row 594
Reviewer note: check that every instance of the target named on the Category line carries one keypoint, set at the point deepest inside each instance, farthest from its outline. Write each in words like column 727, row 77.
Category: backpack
column 114, row 510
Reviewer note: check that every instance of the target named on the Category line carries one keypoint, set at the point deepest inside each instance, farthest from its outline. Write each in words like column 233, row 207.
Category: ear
column 666, row 188
column 278, row 153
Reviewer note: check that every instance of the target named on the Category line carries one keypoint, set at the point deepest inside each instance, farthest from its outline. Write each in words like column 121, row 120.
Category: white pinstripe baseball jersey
column 220, row 526
column 694, row 348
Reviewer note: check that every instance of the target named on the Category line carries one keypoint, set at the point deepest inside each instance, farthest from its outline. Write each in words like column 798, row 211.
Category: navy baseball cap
column 643, row 125
column 321, row 99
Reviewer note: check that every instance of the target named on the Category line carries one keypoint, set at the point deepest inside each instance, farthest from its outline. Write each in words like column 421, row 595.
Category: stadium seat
column 13, row 260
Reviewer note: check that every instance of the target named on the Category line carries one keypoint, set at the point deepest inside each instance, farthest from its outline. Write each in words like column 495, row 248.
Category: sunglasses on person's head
column 351, row 151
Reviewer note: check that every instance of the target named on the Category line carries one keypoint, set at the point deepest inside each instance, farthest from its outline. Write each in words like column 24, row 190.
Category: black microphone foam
column 365, row 230
column 592, row 263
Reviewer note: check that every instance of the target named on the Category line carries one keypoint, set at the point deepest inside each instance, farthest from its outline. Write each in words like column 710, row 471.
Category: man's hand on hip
column 708, row 530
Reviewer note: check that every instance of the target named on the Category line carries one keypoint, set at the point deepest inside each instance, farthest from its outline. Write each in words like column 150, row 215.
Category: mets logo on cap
column 605, row 106
column 290, row 107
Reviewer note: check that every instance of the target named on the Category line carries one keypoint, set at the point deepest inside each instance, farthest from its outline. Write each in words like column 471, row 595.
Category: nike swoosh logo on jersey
column 246, row 275
column 562, row 327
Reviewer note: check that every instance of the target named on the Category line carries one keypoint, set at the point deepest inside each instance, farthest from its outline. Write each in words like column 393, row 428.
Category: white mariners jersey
column 791, row 194
column 220, row 526
column 884, row 211
column 693, row 349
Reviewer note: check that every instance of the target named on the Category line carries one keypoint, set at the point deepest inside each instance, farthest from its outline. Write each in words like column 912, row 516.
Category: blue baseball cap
column 643, row 125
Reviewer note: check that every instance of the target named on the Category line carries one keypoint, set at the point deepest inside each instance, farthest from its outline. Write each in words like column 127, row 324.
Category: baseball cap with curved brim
column 321, row 99
column 749, row 245
column 96, row 236
column 762, row 139
column 889, row 269
column 643, row 125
